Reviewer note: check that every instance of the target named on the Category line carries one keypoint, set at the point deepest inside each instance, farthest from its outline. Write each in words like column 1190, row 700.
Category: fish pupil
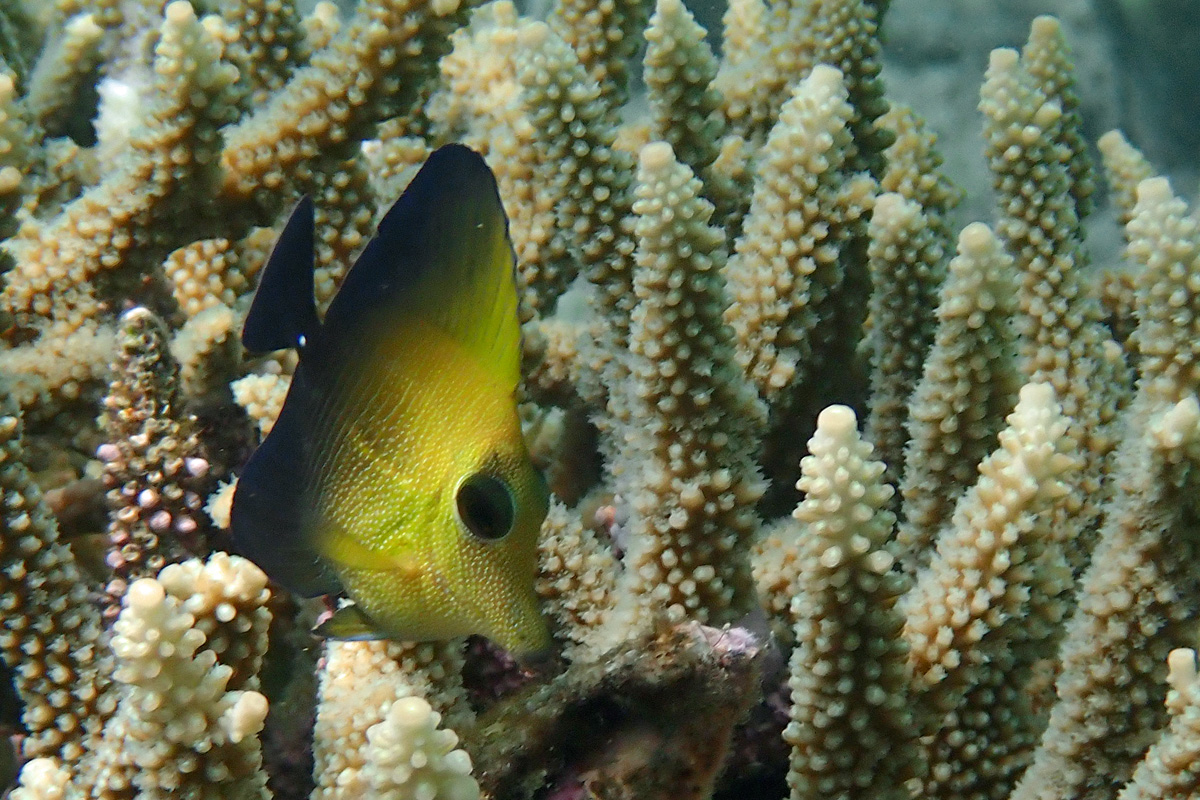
column 485, row 506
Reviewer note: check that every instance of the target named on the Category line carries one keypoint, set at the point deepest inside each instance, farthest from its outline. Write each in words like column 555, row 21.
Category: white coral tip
column 1181, row 668
column 245, row 717
column 656, row 156
column 411, row 712
column 144, row 594
column 837, row 422
column 1178, row 426
column 180, row 12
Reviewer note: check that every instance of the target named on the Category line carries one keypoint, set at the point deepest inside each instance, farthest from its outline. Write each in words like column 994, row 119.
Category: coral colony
column 846, row 503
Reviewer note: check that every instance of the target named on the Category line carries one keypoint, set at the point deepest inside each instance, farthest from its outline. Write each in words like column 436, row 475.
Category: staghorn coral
column 851, row 725
column 905, row 259
column 153, row 467
column 363, row 686
column 187, row 716
column 783, row 282
column 987, row 605
column 692, row 487
column 995, row 598
column 51, row 632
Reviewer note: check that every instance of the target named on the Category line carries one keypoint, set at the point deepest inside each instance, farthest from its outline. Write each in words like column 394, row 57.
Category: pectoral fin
column 349, row 623
column 348, row 552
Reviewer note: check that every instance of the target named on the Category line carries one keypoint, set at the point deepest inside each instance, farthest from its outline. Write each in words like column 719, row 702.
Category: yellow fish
column 396, row 474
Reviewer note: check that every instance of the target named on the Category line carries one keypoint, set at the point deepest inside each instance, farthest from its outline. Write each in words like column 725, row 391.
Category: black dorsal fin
column 434, row 227
column 284, row 313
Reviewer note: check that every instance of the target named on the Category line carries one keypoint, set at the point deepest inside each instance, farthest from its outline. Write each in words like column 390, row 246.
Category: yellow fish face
column 464, row 570
column 448, row 544
column 396, row 473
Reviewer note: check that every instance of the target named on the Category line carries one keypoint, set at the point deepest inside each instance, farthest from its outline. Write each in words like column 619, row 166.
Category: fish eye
column 485, row 505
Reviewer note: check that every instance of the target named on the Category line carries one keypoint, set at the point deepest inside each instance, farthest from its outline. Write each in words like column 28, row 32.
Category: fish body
column 396, row 473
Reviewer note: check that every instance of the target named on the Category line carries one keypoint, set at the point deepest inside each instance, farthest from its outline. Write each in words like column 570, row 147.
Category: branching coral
column 988, row 591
